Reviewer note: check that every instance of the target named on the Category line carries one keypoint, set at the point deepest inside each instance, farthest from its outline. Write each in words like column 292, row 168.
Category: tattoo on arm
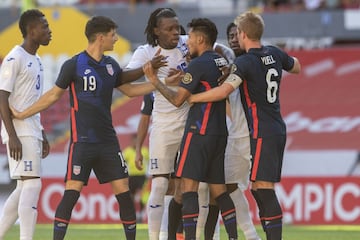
column 169, row 94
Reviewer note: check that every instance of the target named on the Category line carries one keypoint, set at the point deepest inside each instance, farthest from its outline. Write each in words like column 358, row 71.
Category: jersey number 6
column 272, row 86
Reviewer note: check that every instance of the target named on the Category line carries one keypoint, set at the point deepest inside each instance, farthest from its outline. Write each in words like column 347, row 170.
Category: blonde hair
column 250, row 23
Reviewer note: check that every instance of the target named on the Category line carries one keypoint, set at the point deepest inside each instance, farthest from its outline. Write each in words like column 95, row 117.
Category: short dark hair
column 205, row 26
column 98, row 24
column 228, row 28
column 154, row 18
column 27, row 18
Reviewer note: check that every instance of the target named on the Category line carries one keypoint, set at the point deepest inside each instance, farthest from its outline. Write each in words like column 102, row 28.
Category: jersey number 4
column 272, row 85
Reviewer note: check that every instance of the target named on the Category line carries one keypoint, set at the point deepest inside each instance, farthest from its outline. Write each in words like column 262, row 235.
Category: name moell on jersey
column 267, row 60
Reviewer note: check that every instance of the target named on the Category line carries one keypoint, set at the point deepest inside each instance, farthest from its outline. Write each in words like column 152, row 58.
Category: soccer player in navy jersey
column 91, row 77
column 237, row 161
column 204, row 141
column 163, row 31
column 258, row 73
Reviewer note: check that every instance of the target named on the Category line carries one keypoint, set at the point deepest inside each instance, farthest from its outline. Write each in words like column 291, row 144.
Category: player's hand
column 15, row 113
column 174, row 77
column 15, row 148
column 190, row 100
column 139, row 161
column 158, row 60
column 150, row 72
column 226, row 70
column 45, row 146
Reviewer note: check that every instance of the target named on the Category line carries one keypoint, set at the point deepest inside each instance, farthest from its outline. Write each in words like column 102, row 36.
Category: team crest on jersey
column 110, row 69
column 76, row 169
column 187, row 78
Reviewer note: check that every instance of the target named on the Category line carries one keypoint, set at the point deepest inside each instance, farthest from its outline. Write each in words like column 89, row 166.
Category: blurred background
column 321, row 171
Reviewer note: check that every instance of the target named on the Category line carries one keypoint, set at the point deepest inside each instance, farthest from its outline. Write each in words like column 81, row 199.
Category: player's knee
column 190, row 203
column 159, row 186
column 34, row 184
column 269, row 202
column 203, row 193
column 231, row 187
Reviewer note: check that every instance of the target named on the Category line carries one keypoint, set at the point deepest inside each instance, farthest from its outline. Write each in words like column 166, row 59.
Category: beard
column 194, row 55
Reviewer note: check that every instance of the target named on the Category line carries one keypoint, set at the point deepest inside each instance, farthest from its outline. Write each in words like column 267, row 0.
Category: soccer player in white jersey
column 168, row 121
column 21, row 84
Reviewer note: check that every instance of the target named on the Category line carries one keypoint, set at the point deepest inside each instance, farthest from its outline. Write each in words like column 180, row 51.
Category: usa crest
column 110, row 69
column 76, row 169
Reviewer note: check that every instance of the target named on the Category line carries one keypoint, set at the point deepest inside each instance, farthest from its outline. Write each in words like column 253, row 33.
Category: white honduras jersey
column 163, row 110
column 21, row 74
column 237, row 127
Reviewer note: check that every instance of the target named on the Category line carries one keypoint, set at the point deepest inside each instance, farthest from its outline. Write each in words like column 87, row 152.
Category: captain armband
column 234, row 80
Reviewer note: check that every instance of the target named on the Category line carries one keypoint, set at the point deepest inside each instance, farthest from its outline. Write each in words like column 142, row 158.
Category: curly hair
column 154, row 18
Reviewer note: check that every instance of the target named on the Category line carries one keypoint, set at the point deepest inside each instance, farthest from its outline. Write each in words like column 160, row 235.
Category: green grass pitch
column 112, row 231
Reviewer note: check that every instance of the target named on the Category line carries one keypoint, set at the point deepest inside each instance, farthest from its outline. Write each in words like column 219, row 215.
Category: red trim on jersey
column 74, row 109
column 73, row 125
column 70, row 158
column 253, row 110
column 184, row 154
column 255, row 120
column 256, row 159
column 207, row 110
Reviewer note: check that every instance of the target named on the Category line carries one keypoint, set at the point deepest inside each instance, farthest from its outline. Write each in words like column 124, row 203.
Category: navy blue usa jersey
column 91, row 86
column 261, row 72
column 202, row 75
column 147, row 104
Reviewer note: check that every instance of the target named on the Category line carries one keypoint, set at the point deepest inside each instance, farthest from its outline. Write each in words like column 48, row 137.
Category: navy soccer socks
column 270, row 213
column 211, row 221
column 228, row 214
column 127, row 214
column 190, row 213
column 63, row 213
column 174, row 219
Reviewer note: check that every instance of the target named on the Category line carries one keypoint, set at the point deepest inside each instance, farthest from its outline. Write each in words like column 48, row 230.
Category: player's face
column 233, row 41
column 168, row 32
column 192, row 43
column 240, row 37
column 109, row 39
column 41, row 33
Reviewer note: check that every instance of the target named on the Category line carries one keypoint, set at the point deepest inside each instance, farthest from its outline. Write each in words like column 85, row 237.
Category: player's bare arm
column 131, row 75
column 45, row 145
column 176, row 98
column 174, row 78
column 136, row 89
column 142, row 131
column 297, row 67
column 15, row 146
column 216, row 94
column 45, row 101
